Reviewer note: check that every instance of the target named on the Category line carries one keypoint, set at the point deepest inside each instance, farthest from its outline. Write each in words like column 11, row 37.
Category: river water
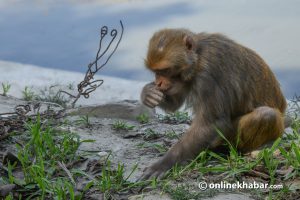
column 64, row 34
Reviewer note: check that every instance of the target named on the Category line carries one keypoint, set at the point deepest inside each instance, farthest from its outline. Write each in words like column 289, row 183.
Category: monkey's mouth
column 170, row 91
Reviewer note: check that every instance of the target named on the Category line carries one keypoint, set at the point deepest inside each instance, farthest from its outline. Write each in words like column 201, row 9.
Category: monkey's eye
column 163, row 72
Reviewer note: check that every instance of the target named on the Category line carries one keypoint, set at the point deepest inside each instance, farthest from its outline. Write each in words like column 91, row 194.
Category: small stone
column 254, row 154
column 102, row 154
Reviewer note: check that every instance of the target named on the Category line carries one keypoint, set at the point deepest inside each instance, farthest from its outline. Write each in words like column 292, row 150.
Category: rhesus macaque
column 228, row 86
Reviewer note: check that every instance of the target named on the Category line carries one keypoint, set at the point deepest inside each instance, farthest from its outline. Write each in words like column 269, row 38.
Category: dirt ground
column 140, row 145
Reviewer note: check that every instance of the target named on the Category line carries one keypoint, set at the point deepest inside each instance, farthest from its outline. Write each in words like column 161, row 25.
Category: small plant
column 175, row 118
column 112, row 179
column 120, row 125
column 50, row 94
column 233, row 164
column 71, row 86
column 39, row 158
column 5, row 88
column 28, row 94
column 143, row 118
column 150, row 134
column 9, row 197
column 292, row 159
column 84, row 120
column 158, row 147
column 271, row 163
column 181, row 192
column 171, row 134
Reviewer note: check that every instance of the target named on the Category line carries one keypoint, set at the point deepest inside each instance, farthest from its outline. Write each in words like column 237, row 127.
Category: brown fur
column 228, row 86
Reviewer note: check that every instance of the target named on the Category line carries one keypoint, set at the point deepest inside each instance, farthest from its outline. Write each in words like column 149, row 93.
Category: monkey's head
column 173, row 59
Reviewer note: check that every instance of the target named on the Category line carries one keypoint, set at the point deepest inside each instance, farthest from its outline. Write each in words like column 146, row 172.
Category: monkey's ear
column 189, row 42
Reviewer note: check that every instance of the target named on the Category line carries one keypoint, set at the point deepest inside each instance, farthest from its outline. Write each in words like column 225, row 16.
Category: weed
column 197, row 163
column 143, row 118
column 291, row 151
column 150, row 134
column 233, row 164
column 171, row 134
column 28, row 94
column 5, row 88
column 84, row 120
column 52, row 95
column 120, row 125
column 160, row 148
column 175, row 118
column 71, row 86
column 39, row 159
column 112, row 180
column 182, row 192
column 9, row 197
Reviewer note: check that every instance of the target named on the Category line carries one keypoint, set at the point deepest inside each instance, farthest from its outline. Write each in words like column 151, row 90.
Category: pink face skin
column 168, row 86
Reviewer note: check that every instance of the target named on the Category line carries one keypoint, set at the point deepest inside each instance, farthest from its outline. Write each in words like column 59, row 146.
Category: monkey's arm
column 198, row 138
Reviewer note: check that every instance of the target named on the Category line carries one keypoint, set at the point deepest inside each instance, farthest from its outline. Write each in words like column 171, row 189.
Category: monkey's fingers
column 153, row 101
column 156, row 97
column 157, row 93
column 150, row 173
column 150, row 103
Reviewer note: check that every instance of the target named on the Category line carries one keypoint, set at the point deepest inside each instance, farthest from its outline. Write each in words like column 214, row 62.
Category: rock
column 127, row 109
column 96, row 197
column 102, row 154
column 6, row 189
column 11, row 158
column 254, row 154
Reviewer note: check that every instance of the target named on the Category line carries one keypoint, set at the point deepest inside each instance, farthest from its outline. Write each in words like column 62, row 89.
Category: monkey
column 229, row 88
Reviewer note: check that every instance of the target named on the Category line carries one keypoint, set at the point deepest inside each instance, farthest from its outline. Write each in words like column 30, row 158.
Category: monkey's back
column 245, row 79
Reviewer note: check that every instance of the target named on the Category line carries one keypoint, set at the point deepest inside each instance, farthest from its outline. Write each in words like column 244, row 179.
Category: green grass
column 41, row 158
column 158, row 147
column 5, row 88
column 112, row 180
column 150, row 134
column 233, row 166
column 28, row 94
column 181, row 192
column 50, row 94
column 143, row 118
column 44, row 159
column 171, row 135
column 177, row 117
column 121, row 125
column 45, row 156
column 84, row 120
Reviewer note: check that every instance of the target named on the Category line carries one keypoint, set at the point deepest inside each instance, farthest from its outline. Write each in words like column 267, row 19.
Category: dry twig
column 88, row 84
column 14, row 121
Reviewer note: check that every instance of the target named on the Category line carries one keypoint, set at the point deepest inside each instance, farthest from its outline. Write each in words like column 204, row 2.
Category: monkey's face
column 167, row 83
column 171, row 56
column 173, row 79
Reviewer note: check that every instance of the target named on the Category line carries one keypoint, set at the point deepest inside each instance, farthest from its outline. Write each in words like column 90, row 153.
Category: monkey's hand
column 154, row 171
column 151, row 96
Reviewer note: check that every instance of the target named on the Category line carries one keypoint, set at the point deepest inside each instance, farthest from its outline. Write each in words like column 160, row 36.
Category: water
column 64, row 34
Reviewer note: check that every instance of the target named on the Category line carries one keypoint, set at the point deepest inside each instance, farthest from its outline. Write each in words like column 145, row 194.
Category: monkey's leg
column 262, row 125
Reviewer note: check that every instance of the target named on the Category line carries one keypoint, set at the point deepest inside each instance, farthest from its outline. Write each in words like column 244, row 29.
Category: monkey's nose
column 158, row 84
